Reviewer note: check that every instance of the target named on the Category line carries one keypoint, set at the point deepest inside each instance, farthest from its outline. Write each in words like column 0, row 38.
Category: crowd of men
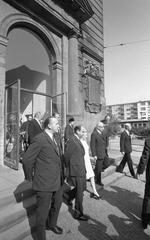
column 57, row 171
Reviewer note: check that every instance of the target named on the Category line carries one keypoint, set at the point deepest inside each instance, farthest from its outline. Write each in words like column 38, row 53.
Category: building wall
column 76, row 54
column 91, row 47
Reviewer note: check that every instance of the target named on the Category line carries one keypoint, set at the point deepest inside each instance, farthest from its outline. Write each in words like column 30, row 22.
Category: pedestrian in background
column 69, row 130
column 98, row 149
column 35, row 126
column 126, row 149
column 145, row 164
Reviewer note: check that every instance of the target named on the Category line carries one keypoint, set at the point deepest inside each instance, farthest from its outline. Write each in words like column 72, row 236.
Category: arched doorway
column 30, row 60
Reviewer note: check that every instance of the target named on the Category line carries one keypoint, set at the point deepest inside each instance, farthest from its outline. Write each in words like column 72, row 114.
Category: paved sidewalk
column 116, row 216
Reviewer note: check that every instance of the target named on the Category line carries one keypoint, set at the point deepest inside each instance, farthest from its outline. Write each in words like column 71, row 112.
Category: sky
column 126, row 68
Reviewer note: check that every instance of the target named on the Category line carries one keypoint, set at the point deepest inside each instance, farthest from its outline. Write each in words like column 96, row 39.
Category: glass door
column 12, row 125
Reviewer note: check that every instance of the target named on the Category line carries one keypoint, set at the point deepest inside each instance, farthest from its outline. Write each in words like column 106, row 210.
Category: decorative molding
column 57, row 65
column 91, row 53
column 3, row 41
column 21, row 20
column 79, row 9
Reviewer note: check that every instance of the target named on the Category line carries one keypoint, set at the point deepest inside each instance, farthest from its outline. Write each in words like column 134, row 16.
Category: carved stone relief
column 91, row 84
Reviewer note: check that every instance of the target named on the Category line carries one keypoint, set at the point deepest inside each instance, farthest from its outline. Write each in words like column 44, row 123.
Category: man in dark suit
column 74, row 159
column 145, row 164
column 98, row 149
column 126, row 149
column 43, row 158
column 69, row 130
column 34, row 127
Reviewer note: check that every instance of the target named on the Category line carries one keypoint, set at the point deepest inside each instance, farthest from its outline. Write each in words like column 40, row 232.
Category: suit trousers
column 48, row 206
column 145, row 215
column 76, row 193
column 126, row 159
column 98, row 170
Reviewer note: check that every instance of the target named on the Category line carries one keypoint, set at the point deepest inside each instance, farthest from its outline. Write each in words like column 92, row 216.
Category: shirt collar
column 49, row 134
column 127, row 131
column 77, row 136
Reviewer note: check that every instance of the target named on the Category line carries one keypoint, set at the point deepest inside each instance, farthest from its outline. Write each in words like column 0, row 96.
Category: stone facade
column 72, row 32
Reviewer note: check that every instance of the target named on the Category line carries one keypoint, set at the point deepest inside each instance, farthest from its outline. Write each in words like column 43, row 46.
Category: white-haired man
column 98, row 145
column 126, row 149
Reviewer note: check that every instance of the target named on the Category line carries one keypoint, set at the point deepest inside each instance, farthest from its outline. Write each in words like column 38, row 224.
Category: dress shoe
column 101, row 184
column 81, row 217
column 56, row 229
column 93, row 195
column 135, row 176
column 118, row 170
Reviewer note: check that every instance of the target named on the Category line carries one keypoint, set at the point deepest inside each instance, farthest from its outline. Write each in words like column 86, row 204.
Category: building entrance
column 20, row 103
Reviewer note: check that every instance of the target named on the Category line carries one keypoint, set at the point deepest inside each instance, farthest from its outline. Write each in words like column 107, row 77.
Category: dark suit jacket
column 98, row 144
column 145, row 160
column 33, row 129
column 125, row 142
column 43, row 156
column 69, row 132
column 74, row 157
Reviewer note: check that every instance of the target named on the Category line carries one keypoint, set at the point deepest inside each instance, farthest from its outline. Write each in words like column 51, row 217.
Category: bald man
column 126, row 149
column 98, row 149
column 43, row 158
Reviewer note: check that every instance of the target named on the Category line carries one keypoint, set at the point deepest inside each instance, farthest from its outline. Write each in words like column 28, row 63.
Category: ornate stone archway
column 45, row 36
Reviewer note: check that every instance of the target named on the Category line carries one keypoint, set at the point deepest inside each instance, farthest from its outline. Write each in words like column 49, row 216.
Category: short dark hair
column 77, row 128
column 71, row 120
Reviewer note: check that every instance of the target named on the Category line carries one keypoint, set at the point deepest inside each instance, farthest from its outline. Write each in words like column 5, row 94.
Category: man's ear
column 49, row 126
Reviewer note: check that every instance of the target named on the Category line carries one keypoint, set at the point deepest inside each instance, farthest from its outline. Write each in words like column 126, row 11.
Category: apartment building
column 137, row 113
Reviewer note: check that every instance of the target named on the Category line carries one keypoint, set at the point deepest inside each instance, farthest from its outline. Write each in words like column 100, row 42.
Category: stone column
column 64, row 79
column 57, row 83
column 3, row 47
column 74, row 97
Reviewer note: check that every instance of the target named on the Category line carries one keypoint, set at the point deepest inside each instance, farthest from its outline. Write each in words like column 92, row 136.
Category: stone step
column 23, row 191
column 20, row 230
column 13, row 213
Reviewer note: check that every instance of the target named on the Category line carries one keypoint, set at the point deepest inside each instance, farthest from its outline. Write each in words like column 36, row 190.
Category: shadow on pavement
column 130, row 204
column 94, row 230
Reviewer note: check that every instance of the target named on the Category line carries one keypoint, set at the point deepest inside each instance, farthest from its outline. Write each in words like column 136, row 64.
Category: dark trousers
column 98, row 170
column 145, row 215
column 126, row 159
column 48, row 206
column 76, row 193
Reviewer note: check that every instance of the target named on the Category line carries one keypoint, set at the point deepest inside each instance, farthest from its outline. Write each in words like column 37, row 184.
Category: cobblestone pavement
column 116, row 216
